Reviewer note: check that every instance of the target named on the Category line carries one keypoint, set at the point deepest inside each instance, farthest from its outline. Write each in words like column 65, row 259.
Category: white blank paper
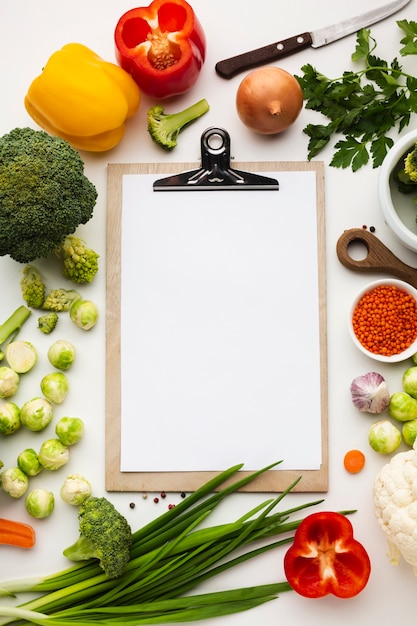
column 220, row 353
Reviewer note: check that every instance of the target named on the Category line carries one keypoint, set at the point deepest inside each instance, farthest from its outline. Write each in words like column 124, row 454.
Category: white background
column 29, row 33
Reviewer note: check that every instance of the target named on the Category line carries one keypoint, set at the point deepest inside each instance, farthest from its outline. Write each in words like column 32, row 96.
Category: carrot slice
column 16, row 534
column 354, row 461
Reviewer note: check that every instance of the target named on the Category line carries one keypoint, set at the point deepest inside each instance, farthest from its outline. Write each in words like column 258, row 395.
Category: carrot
column 354, row 461
column 16, row 534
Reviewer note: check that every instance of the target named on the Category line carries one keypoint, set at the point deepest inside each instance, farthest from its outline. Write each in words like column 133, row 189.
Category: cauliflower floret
column 395, row 506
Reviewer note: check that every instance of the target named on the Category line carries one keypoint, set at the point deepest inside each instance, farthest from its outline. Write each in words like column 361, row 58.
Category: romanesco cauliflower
column 395, row 506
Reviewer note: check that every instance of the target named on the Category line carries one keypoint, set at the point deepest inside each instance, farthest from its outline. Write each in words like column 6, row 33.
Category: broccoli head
column 79, row 263
column 44, row 193
column 47, row 322
column 60, row 300
column 33, row 287
column 164, row 128
column 104, row 535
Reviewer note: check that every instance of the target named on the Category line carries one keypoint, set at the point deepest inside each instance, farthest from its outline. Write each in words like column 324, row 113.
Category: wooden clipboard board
column 270, row 482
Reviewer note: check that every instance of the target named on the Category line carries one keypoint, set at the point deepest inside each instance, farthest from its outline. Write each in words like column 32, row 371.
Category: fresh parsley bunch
column 364, row 105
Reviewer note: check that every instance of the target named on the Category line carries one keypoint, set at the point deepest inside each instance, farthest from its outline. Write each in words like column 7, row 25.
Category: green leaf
column 410, row 39
column 350, row 153
column 379, row 149
column 363, row 38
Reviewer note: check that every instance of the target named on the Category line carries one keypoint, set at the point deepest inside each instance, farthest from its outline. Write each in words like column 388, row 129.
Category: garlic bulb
column 370, row 393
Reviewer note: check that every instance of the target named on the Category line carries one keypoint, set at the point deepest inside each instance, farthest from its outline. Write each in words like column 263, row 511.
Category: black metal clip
column 215, row 171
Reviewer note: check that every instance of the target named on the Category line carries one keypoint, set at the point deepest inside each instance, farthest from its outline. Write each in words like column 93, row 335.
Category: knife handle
column 230, row 67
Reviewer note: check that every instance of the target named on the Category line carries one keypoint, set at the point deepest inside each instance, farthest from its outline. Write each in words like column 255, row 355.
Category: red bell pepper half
column 326, row 559
column 162, row 46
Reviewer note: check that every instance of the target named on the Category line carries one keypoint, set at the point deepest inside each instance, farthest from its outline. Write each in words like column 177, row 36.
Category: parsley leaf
column 410, row 39
column 362, row 106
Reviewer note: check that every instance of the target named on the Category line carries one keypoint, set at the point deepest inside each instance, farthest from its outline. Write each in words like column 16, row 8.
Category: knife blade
column 314, row 39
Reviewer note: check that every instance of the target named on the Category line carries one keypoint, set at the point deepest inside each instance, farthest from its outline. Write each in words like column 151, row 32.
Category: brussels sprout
column 384, row 437
column 409, row 432
column 40, row 503
column 53, row 454
column 402, row 406
column 84, row 314
column 9, row 381
column 28, row 462
column 75, row 489
column 9, row 418
column 69, row 430
column 36, row 414
column 61, row 354
column 55, row 387
column 14, row 482
column 410, row 381
column 21, row 356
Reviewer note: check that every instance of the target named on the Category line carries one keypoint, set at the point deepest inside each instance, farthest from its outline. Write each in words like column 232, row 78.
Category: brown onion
column 269, row 100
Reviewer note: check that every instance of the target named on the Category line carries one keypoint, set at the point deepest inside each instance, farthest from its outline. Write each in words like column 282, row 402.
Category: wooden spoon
column 378, row 259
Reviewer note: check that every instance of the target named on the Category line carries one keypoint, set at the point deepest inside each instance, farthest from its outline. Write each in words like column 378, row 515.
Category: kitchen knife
column 314, row 39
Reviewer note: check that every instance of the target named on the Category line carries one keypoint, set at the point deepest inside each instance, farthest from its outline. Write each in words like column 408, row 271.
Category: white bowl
column 399, row 209
column 395, row 358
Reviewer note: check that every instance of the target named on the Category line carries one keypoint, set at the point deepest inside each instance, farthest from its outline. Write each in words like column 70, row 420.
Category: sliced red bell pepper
column 162, row 46
column 326, row 559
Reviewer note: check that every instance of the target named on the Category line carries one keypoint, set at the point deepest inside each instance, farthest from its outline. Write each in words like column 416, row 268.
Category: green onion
column 170, row 557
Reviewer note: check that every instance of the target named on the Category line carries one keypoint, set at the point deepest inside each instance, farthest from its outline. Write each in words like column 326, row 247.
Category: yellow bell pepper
column 83, row 99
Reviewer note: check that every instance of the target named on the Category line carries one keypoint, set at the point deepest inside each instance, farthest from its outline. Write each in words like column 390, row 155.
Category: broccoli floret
column 47, row 322
column 44, row 194
column 164, row 128
column 80, row 264
column 104, row 535
column 410, row 165
column 60, row 300
column 33, row 287
column 405, row 175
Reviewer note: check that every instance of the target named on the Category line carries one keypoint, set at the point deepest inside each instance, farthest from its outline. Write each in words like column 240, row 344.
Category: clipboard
column 118, row 480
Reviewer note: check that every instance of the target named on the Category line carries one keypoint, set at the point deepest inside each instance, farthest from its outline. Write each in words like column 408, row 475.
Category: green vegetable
column 14, row 482
column 21, row 356
column 45, row 194
column 47, row 322
column 9, row 418
column 32, row 287
column 164, row 128
column 53, row 454
column 59, row 300
column 363, row 106
column 9, row 382
column 384, row 437
column 84, row 314
column 69, row 430
column 28, row 462
column 11, row 327
column 104, row 535
column 410, row 381
column 61, row 354
column 409, row 432
column 40, row 503
column 54, row 387
column 75, row 489
column 402, row 406
column 169, row 558
column 36, row 414
column 80, row 263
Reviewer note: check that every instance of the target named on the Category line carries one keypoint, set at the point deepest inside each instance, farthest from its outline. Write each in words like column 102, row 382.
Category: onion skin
column 269, row 100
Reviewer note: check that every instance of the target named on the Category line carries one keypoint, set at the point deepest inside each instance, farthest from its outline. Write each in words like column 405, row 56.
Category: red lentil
column 385, row 320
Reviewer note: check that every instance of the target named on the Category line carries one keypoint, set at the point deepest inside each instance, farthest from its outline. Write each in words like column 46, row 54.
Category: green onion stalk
column 169, row 558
